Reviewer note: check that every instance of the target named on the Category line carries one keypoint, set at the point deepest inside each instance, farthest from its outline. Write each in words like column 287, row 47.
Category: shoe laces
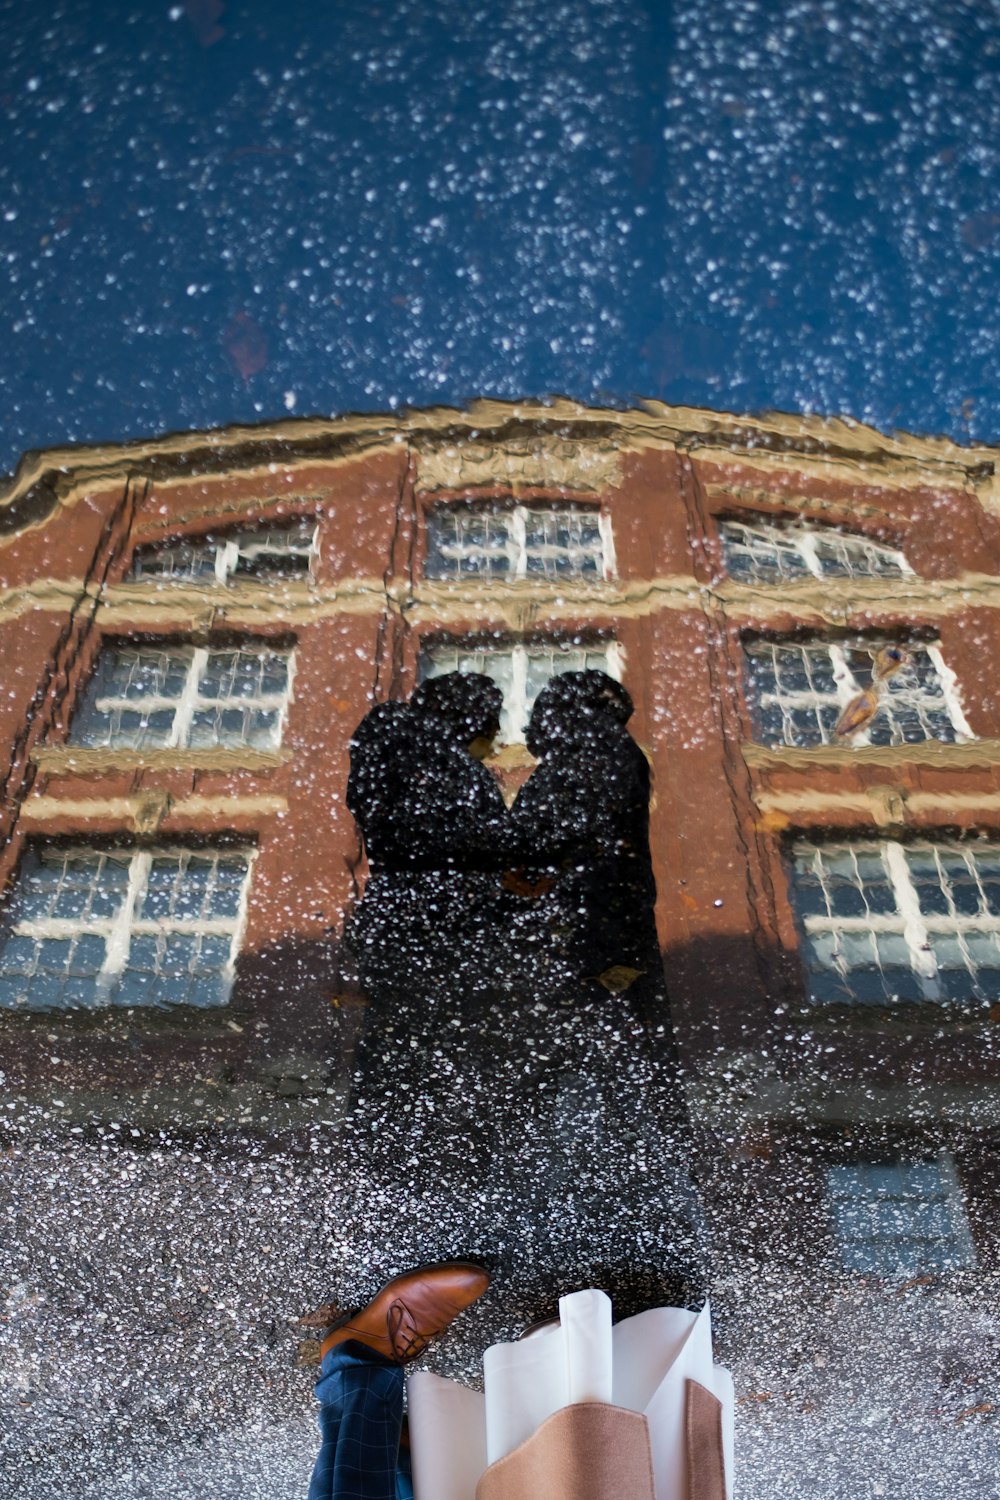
column 405, row 1339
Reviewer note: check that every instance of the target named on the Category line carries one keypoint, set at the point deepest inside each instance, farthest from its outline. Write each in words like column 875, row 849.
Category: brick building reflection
column 193, row 627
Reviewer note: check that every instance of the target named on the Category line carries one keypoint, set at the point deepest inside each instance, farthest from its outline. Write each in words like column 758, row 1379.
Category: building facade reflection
column 194, row 628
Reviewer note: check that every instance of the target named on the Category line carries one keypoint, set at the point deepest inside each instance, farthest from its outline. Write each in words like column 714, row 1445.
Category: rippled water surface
column 228, row 211
column 231, row 212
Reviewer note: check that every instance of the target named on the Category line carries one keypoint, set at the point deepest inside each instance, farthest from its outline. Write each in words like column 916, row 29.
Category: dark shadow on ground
column 153, row 1281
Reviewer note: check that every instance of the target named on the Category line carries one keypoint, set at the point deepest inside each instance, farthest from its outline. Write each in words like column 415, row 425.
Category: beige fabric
column 652, row 1357
column 706, row 1468
column 588, row 1451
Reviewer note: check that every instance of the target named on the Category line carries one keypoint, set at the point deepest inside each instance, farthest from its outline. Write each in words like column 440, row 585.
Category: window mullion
column 614, row 660
column 609, row 561
column 845, row 681
column 518, row 533
column 873, row 922
column 187, row 702
column 908, row 904
column 226, row 555
column 949, row 689
column 517, row 711
column 117, row 946
column 281, row 701
column 805, row 544
column 239, row 926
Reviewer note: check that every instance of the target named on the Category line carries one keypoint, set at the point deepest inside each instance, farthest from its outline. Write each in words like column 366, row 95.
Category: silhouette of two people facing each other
column 516, row 1063
column 552, row 894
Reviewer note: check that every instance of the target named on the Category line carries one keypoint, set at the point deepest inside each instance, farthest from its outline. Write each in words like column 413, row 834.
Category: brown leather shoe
column 411, row 1309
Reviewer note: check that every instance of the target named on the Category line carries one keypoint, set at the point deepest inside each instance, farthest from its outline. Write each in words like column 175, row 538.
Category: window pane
column 131, row 699
column 935, row 953
column 177, row 560
column 761, row 554
column 926, row 879
column 847, row 556
column 87, row 957
column 809, row 894
column 41, row 969
column 225, row 888
column 276, row 551
column 858, row 950
column 213, row 726
column 255, row 683
column 914, row 706
column 136, row 699
column 260, row 552
column 19, row 955
column 462, row 540
column 230, row 674
column 899, row 1218
column 562, row 541
column 542, row 666
column 536, row 665
column 769, row 552
column 163, row 886
column 801, row 681
column 137, row 987
column 893, row 951
column 906, row 985
column 37, row 890
column 262, row 728
column 846, row 899
column 53, row 884
column 558, row 541
column 983, row 949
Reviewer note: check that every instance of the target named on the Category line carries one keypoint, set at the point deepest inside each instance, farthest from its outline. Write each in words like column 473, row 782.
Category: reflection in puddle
column 697, row 998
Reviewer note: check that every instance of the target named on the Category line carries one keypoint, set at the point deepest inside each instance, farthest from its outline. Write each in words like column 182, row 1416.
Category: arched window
column 773, row 552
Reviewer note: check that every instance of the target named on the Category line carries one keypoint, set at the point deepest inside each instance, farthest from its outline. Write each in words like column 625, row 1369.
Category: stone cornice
column 829, row 447
column 192, row 608
column 970, row 754
column 82, row 760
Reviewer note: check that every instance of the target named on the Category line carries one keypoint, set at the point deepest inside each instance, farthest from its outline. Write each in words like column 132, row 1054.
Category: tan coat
column 593, row 1451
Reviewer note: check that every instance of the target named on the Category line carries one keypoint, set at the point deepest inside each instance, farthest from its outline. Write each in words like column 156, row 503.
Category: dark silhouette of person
column 581, row 829
column 436, row 830
column 428, row 930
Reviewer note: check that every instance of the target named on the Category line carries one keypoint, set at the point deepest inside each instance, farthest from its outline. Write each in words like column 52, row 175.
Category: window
column 88, row 928
column 797, row 692
column 769, row 552
column 885, row 921
column 899, row 1217
column 518, row 541
column 147, row 697
column 521, row 670
column 257, row 552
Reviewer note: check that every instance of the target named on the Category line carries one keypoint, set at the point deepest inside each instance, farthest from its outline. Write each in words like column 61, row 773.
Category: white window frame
column 917, row 928
column 515, row 520
column 517, row 708
column 189, row 700
column 118, row 929
column 229, row 548
column 848, row 686
column 805, row 542
column 857, row 1184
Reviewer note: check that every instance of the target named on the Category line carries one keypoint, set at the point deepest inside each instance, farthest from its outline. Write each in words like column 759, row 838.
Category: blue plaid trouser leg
column 360, row 1416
